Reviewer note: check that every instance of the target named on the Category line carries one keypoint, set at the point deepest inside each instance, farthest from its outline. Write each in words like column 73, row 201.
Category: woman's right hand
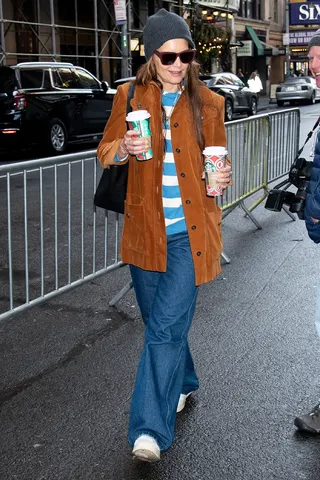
column 132, row 145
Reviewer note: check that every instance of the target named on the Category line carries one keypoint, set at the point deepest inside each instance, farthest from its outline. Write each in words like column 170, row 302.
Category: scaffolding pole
column 124, row 51
column 2, row 37
column 53, row 31
column 96, row 38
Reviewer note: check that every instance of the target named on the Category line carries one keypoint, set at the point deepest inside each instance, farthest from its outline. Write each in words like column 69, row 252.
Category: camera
column 299, row 176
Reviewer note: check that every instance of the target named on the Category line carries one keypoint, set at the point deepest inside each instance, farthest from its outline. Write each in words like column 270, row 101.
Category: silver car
column 297, row 89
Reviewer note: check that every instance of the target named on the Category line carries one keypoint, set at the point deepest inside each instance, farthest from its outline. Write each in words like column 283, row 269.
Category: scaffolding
column 83, row 32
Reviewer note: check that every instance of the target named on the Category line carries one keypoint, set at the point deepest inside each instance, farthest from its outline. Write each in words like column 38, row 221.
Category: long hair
column 148, row 72
column 252, row 76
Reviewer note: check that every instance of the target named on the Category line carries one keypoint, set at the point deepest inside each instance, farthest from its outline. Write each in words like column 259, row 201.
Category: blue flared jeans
column 167, row 302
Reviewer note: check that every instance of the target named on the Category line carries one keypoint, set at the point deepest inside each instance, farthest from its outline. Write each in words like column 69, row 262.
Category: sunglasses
column 168, row 58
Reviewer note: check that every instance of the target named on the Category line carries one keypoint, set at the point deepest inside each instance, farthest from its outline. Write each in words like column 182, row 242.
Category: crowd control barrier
column 53, row 240
column 262, row 149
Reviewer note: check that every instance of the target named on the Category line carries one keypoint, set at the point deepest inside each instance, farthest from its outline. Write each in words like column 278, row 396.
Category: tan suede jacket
column 144, row 234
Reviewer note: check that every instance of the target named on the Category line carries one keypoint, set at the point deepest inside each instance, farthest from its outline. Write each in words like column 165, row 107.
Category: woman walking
column 255, row 84
column 172, row 230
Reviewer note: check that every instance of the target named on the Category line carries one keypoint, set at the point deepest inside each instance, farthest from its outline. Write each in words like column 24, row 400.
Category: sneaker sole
column 303, row 427
column 145, row 455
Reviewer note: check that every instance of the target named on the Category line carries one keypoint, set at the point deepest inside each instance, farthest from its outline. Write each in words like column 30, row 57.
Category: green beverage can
column 140, row 121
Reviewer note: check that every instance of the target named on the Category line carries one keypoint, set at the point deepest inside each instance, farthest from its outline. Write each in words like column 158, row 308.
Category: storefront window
column 250, row 9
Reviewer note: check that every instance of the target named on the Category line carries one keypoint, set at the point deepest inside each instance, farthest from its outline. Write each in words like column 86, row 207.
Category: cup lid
column 215, row 150
column 138, row 115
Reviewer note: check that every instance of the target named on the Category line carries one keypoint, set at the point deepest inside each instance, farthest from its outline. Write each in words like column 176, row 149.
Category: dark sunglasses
column 168, row 58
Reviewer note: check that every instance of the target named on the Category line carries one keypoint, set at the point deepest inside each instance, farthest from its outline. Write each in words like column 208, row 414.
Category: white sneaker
column 182, row 401
column 146, row 448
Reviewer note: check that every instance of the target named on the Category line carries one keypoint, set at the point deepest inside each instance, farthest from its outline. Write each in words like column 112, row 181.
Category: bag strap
column 130, row 96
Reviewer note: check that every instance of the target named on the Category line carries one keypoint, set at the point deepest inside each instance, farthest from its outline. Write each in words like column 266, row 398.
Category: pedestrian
column 255, row 84
column 172, row 231
column 310, row 422
column 241, row 75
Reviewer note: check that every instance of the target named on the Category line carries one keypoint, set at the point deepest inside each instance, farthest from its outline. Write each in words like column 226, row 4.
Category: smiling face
column 171, row 76
column 314, row 63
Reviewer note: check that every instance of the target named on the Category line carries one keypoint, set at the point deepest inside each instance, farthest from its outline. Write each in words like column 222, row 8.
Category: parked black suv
column 52, row 104
column 238, row 97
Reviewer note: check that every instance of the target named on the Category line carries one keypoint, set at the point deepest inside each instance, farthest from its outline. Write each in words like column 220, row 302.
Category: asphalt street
column 68, row 368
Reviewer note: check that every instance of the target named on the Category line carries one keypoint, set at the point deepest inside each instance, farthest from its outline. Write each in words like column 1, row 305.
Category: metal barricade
column 283, row 146
column 247, row 145
column 284, row 142
column 52, row 239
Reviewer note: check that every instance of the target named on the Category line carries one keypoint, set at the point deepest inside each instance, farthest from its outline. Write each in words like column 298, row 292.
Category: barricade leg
column 257, row 203
column 225, row 257
column 291, row 215
column 121, row 294
column 252, row 218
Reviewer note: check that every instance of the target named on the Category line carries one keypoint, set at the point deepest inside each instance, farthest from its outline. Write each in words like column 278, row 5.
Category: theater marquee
column 304, row 13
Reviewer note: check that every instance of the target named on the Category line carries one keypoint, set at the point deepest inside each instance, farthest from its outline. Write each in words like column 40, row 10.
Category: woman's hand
column 132, row 145
column 223, row 176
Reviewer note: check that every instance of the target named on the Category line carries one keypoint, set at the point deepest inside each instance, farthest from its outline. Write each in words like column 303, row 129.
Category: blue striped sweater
column 171, row 197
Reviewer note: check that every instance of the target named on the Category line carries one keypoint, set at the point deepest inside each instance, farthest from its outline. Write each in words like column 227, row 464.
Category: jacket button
column 188, row 201
column 178, row 150
column 193, row 227
column 182, row 175
column 127, row 215
column 176, row 125
column 139, row 105
column 198, row 254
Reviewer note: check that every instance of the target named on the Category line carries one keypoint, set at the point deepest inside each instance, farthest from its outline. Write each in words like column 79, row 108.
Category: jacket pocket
column 133, row 235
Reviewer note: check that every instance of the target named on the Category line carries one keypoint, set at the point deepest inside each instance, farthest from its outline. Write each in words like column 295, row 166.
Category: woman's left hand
column 223, row 176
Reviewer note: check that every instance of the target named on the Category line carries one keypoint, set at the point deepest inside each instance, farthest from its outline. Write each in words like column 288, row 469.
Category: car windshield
column 295, row 80
column 216, row 81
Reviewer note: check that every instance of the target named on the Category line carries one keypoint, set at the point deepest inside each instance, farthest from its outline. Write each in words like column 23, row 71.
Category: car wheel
column 280, row 103
column 57, row 137
column 254, row 108
column 313, row 99
column 228, row 110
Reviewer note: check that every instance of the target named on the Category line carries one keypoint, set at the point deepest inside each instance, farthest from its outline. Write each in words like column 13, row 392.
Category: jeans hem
column 146, row 432
column 193, row 390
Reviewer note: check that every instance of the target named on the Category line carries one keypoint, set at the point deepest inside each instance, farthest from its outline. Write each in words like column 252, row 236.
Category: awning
column 270, row 50
column 256, row 40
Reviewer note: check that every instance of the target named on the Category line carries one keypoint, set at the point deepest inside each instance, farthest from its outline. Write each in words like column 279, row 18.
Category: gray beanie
column 315, row 40
column 161, row 27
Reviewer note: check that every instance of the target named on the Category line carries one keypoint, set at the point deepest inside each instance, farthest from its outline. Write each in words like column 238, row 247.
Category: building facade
column 244, row 34
column 260, row 25
column 304, row 21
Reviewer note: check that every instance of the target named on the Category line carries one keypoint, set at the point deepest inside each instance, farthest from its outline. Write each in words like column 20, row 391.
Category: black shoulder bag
column 112, row 188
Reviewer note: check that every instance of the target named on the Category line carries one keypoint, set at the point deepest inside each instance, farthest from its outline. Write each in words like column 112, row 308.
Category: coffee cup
column 140, row 120
column 214, row 160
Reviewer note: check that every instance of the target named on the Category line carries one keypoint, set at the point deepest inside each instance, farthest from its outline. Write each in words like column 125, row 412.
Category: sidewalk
column 68, row 368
